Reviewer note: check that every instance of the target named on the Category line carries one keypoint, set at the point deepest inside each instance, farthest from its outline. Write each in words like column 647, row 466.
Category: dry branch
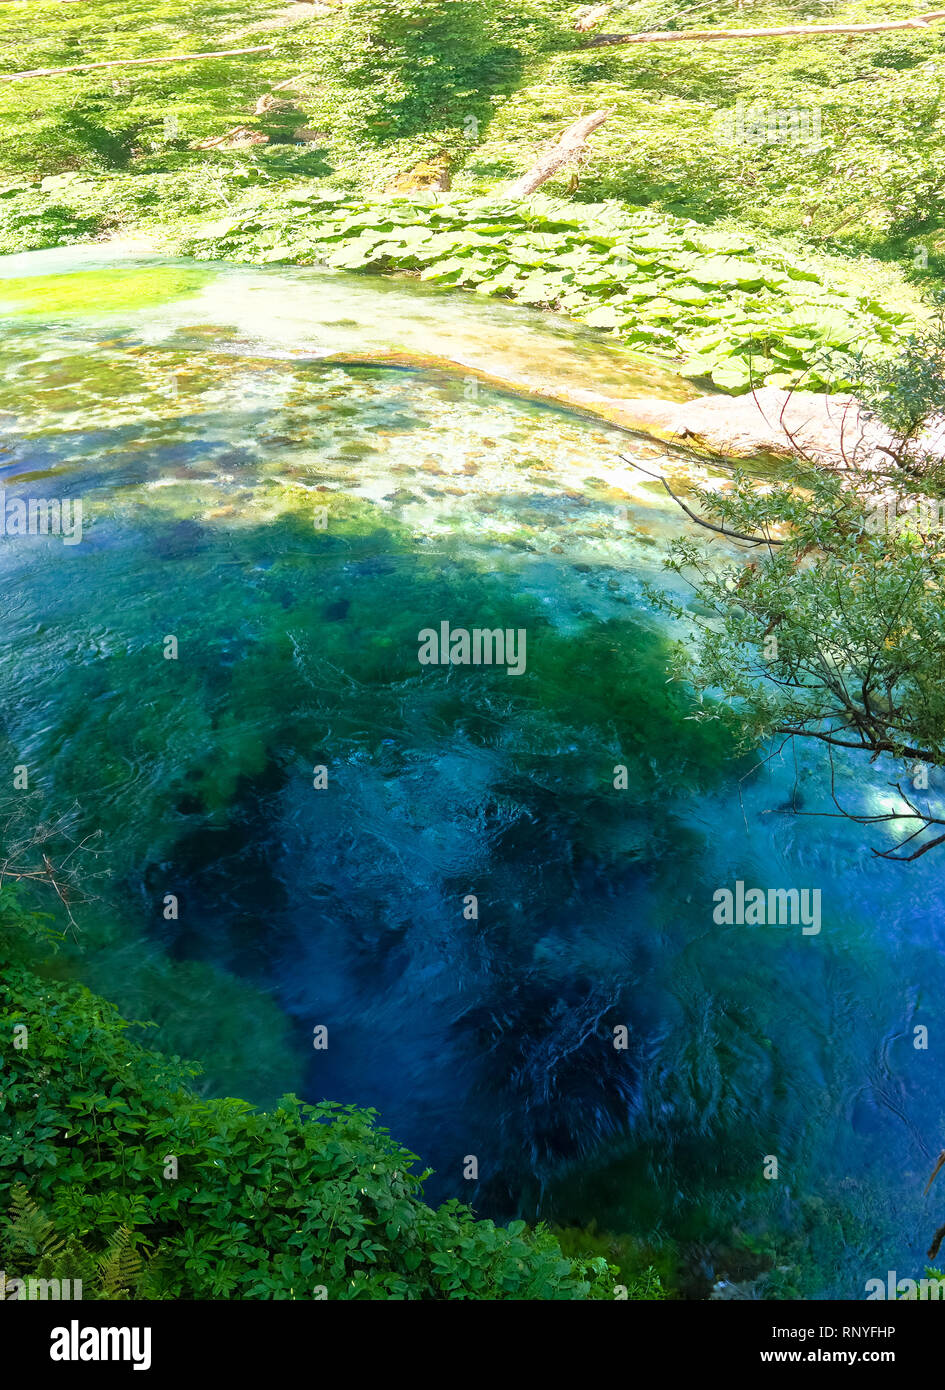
column 135, row 62
column 919, row 21
column 570, row 144
column 940, row 1164
column 700, row 520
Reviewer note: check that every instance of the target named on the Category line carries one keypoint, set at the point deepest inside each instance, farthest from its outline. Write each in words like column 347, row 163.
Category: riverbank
column 703, row 277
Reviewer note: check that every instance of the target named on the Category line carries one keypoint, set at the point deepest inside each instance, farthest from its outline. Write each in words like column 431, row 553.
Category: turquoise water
column 294, row 522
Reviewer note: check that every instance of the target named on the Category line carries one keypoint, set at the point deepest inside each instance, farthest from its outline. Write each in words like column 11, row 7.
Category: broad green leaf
column 442, row 269
column 604, row 317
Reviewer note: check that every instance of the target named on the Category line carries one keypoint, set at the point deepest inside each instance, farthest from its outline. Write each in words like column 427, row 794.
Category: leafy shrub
column 76, row 206
column 102, row 135
column 835, row 633
column 285, row 1204
column 31, row 1243
column 30, row 222
column 907, row 394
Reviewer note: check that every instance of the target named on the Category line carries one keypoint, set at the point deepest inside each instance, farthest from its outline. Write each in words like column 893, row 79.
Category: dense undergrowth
column 728, row 309
column 116, row 1173
column 872, row 182
column 834, row 227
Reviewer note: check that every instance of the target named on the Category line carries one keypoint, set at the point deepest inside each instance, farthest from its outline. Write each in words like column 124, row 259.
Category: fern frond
column 28, row 1230
column 120, row 1266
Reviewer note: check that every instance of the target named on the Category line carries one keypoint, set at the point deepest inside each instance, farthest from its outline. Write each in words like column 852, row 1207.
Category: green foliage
column 422, row 64
column 835, row 634
column 81, row 205
column 641, row 1272
column 734, row 313
column 31, row 220
column 872, row 182
column 31, row 935
column 393, row 84
column 932, row 1293
column 906, row 393
column 95, row 120
column 266, row 1205
column 94, row 125
column 29, row 1242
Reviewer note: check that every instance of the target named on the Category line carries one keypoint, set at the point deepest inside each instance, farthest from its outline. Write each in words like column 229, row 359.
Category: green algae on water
column 114, row 290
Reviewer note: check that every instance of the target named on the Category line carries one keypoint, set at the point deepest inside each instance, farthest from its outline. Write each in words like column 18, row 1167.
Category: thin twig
column 135, row 62
column 700, row 521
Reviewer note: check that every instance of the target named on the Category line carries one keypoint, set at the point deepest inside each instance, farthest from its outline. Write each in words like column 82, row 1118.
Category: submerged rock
column 829, row 431
column 724, row 1290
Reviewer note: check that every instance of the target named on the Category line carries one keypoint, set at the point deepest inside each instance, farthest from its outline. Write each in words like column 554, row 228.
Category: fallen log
column 134, row 62
column 239, row 138
column 919, row 21
column 591, row 18
column 291, row 81
column 570, row 144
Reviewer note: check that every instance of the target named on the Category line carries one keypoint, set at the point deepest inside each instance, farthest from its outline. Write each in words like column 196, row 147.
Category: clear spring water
column 191, row 409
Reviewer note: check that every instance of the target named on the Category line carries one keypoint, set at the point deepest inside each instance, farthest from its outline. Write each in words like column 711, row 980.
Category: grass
column 93, row 154
column 874, row 183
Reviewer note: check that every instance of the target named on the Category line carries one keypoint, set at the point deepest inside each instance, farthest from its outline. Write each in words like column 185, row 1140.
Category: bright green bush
column 302, row 1202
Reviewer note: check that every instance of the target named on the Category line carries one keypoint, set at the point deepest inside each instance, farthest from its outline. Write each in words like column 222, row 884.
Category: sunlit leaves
column 655, row 281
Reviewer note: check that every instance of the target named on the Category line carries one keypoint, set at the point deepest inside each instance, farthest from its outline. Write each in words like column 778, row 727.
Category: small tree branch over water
column 837, row 634
column 699, row 520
